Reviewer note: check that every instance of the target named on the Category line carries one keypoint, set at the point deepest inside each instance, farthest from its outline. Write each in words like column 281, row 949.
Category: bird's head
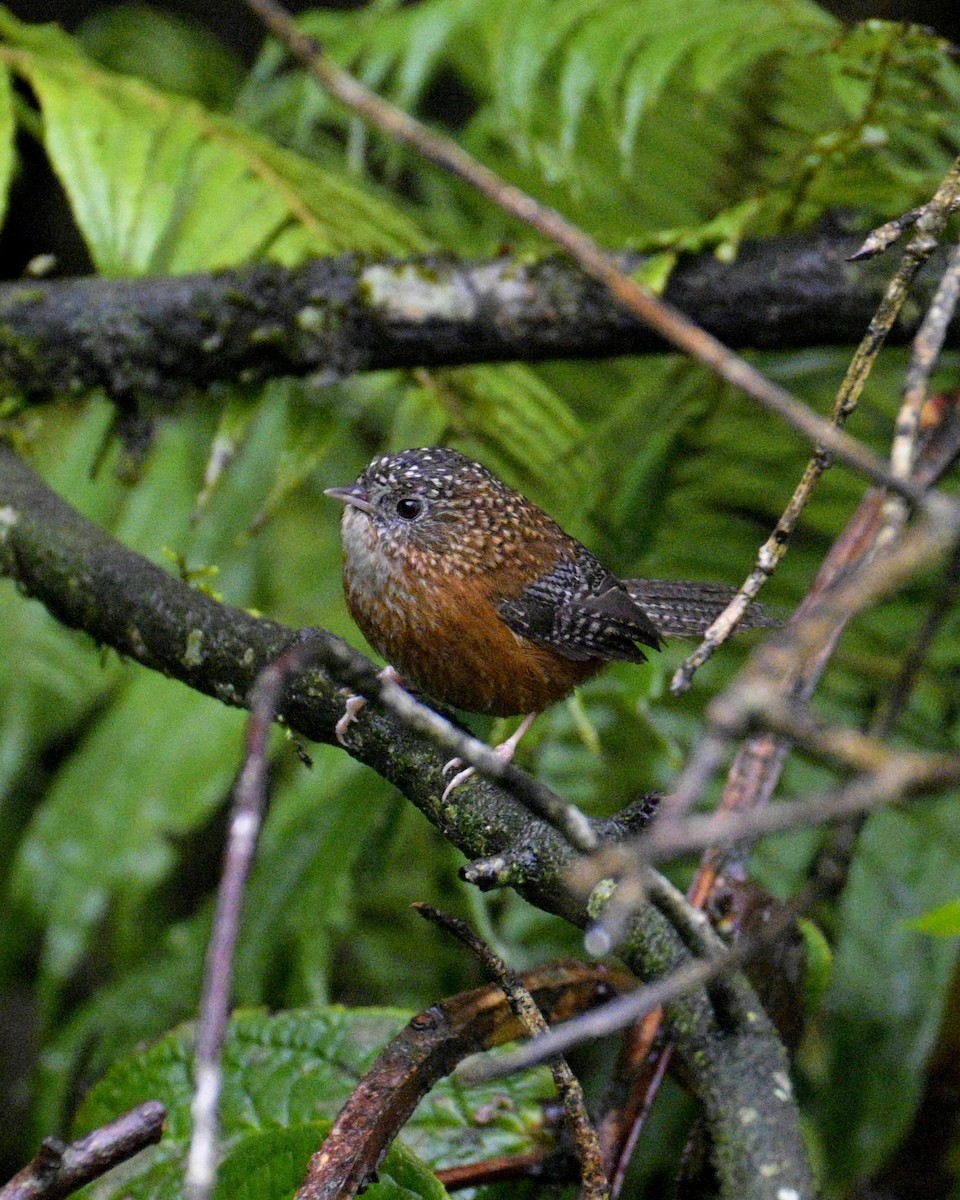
column 432, row 501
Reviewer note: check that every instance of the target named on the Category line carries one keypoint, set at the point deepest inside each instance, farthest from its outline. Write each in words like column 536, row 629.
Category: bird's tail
column 682, row 609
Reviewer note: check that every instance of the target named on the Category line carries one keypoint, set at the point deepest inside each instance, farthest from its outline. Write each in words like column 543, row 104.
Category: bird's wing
column 581, row 611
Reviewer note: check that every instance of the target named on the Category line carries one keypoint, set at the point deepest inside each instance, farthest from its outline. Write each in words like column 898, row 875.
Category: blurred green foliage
column 674, row 126
column 161, row 48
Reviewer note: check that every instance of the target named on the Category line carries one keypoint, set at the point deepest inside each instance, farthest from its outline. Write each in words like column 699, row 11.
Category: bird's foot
column 504, row 751
column 351, row 710
column 460, row 777
column 355, row 703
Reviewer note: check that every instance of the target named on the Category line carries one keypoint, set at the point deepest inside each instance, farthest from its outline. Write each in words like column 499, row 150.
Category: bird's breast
column 442, row 631
column 373, row 578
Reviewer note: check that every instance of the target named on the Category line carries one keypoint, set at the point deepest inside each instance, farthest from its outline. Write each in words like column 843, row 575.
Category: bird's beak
column 353, row 495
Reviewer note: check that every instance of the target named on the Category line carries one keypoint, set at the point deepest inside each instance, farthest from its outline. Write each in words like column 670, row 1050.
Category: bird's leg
column 505, row 751
column 355, row 703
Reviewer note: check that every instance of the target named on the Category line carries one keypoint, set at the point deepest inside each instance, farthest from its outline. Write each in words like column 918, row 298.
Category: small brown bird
column 481, row 601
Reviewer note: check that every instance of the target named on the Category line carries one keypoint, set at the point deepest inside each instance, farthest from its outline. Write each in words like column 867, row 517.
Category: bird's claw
column 460, row 777
column 356, row 703
column 352, row 708
column 504, row 752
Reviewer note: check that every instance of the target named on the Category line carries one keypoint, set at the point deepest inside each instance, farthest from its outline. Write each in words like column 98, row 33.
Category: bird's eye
column 409, row 508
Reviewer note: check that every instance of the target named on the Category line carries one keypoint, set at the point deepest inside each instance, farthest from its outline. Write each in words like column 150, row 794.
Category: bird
column 480, row 601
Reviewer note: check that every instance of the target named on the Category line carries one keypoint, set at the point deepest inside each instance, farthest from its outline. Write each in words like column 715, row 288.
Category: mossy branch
column 91, row 582
column 162, row 338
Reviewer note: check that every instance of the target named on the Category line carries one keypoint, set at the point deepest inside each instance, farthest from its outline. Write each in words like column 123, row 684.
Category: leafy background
column 655, row 126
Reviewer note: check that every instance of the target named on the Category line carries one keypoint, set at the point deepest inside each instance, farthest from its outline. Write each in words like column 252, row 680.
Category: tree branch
column 164, row 337
column 59, row 1169
column 89, row 581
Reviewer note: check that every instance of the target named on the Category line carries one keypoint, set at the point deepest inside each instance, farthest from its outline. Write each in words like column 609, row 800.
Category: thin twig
column 534, row 1165
column 59, row 1169
column 925, row 352
column 913, row 776
column 594, row 1185
column 429, row 1047
column 929, row 540
column 751, row 780
column 882, row 238
column 931, row 219
column 246, row 818
column 669, row 322
column 619, row 1013
column 631, row 1007
column 762, row 704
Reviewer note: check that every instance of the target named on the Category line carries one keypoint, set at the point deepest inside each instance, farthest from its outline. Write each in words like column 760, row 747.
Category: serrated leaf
column 287, row 1071
column 270, row 1166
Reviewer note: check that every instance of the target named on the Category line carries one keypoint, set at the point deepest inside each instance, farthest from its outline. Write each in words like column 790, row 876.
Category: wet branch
column 165, row 338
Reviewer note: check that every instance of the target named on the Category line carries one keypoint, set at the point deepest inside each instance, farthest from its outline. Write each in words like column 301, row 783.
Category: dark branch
column 129, row 603
column 428, row 1048
column 164, row 337
column 59, row 1169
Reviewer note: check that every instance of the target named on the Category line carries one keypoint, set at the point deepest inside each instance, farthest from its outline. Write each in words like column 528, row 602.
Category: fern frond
column 640, row 116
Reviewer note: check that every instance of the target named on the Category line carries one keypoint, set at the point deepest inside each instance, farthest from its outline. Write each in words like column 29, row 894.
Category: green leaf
column 270, row 1166
column 300, row 895
column 942, row 921
column 819, row 965
column 888, row 985
column 7, row 131
column 283, row 1073
column 299, row 899
column 163, row 49
column 103, row 835
column 157, row 183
